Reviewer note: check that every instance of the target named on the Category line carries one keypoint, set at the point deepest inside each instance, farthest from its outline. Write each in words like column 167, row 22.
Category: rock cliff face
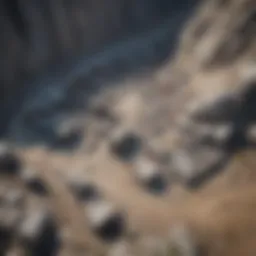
column 40, row 35
column 159, row 163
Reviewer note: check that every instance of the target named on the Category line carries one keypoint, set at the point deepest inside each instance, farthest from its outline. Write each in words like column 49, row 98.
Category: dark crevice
column 127, row 147
column 112, row 229
column 85, row 192
column 9, row 163
column 48, row 242
column 157, row 185
column 37, row 186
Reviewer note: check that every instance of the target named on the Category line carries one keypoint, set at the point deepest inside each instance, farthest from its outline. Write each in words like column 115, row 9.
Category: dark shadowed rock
column 9, row 162
column 126, row 147
column 39, row 233
column 34, row 182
